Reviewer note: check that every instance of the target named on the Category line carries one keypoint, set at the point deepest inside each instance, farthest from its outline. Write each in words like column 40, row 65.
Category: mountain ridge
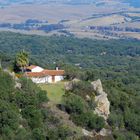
column 134, row 3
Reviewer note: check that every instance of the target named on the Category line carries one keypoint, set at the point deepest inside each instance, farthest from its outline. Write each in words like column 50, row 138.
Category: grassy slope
column 55, row 91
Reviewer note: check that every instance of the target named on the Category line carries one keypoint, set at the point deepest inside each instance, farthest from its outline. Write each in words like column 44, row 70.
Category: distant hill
column 135, row 3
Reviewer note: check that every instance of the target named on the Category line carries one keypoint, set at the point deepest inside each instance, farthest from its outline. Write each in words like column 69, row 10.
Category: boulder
column 87, row 133
column 18, row 85
column 105, row 132
column 68, row 86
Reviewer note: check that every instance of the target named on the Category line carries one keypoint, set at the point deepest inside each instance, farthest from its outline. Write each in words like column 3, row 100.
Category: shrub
column 116, row 120
column 126, row 135
column 74, row 103
column 89, row 120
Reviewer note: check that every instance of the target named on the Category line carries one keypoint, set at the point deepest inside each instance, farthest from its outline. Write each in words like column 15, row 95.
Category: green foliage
column 30, row 94
column 61, row 132
column 124, row 136
column 74, row 103
column 9, row 116
column 6, row 86
column 118, row 69
column 79, row 109
column 39, row 134
column 82, row 88
column 89, row 120
column 33, row 116
column 21, row 60
column 20, row 110
column 132, row 122
column 61, row 49
column 124, row 107
column 116, row 121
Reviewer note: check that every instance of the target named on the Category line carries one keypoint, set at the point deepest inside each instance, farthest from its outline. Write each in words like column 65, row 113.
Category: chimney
column 57, row 68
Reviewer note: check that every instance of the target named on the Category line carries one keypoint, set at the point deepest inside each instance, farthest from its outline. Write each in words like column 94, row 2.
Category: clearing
column 55, row 91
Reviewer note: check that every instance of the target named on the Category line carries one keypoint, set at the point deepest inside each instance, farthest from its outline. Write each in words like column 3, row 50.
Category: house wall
column 37, row 69
column 59, row 78
column 47, row 79
column 40, row 80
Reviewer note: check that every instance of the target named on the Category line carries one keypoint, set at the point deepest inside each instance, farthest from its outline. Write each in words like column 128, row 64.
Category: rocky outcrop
column 105, row 132
column 87, row 133
column 103, row 104
column 69, row 85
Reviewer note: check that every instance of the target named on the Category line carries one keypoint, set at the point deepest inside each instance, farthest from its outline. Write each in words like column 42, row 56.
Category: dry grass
column 103, row 21
column 74, row 13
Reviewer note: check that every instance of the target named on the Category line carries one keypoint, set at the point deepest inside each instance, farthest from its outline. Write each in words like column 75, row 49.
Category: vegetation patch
column 54, row 91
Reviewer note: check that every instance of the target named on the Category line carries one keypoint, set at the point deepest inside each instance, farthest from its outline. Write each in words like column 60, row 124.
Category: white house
column 34, row 68
column 40, row 75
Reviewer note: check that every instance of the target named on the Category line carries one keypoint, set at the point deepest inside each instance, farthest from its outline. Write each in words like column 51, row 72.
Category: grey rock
column 103, row 104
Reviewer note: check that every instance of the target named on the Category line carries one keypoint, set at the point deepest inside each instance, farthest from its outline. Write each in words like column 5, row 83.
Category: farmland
column 71, row 19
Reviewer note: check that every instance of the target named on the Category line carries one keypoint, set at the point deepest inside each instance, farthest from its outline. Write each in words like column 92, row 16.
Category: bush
column 61, row 132
column 116, row 120
column 126, row 135
column 38, row 134
column 74, row 103
column 9, row 116
column 82, row 89
column 33, row 116
column 132, row 122
column 89, row 120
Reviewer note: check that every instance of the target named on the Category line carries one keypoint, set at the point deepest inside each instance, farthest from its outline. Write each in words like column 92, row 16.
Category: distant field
column 75, row 18
column 52, row 12
column 55, row 91
column 107, row 20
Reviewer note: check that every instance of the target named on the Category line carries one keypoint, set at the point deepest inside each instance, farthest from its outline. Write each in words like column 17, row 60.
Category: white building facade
column 39, row 75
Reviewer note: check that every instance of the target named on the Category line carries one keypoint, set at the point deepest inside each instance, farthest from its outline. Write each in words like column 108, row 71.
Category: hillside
column 71, row 50
column 69, row 69
column 115, row 62
column 26, row 113
column 21, row 109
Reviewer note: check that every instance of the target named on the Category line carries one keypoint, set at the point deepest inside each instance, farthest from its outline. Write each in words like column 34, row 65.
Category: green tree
column 22, row 60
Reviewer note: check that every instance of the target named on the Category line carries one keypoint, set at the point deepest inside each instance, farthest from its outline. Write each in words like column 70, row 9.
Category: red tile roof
column 53, row 72
column 34, row 74
column 45, row 73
